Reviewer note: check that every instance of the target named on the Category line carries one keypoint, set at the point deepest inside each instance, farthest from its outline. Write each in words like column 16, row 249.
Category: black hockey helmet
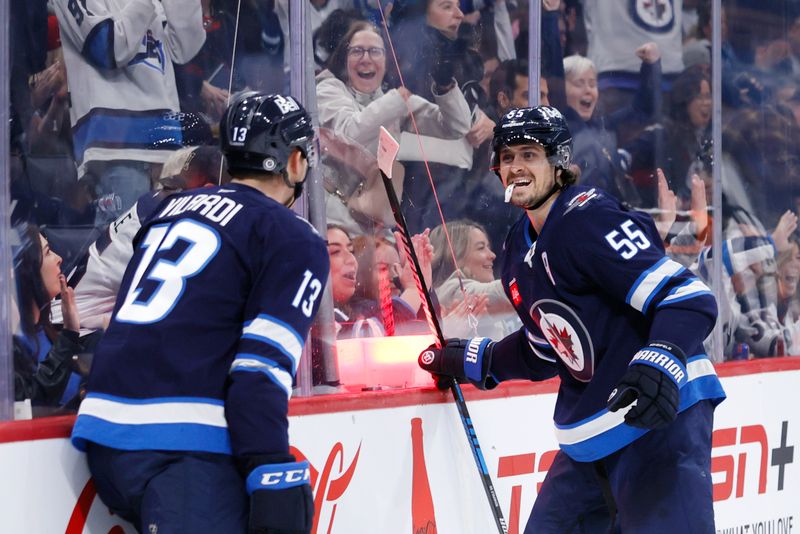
column 259, row 131
column 543, row 125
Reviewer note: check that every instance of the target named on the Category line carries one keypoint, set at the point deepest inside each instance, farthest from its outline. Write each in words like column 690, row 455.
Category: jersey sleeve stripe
column 98, row 48
column 696, row 367
column 690, row 289
column 702, row 258
column 726, row 258
column 276, row 333
column 536, row 340
column 604, row 432
column 255, row 358
column 280, row 377
column 156, row 411
column 650, row 282
column 745, row 251
column 540, row 355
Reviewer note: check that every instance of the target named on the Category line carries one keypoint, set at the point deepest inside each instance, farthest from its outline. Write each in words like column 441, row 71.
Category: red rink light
column 377, row 362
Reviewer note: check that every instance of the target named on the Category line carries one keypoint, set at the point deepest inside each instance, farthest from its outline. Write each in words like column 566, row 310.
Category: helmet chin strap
column 297, row 187
column 553, row 190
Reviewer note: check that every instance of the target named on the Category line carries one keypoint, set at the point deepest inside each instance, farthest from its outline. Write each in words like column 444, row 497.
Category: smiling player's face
column 527, row 167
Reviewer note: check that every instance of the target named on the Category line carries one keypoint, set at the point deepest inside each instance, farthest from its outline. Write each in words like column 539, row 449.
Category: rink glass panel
column 758, row 98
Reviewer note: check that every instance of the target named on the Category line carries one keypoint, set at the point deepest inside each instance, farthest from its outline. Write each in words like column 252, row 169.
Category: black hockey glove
column 442, row 75
column 444, row 58
column 653, row 380
column 460, row 359
column 281, row 501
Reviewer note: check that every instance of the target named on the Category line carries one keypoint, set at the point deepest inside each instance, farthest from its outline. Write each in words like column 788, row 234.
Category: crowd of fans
column 106, row 97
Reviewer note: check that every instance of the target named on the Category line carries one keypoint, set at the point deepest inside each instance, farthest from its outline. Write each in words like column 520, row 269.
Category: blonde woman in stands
column 475, row 272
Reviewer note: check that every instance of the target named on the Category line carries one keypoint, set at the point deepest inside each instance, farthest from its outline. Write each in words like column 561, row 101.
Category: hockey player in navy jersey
column 621, row 324
column 185, row 421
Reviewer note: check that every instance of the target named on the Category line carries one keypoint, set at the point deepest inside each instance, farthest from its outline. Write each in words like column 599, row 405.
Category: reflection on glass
column 100, row 119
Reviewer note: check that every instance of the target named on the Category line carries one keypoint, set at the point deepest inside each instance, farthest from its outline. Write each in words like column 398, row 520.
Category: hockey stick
column 458, row 396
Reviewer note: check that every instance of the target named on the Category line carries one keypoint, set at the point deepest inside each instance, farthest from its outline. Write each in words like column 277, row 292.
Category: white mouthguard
column 509, row 191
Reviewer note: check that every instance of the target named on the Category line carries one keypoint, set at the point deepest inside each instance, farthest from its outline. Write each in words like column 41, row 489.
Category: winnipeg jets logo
column 151, row 53
column 654, row 15
column 567, row 336
column 561, row 340
column 529, row 255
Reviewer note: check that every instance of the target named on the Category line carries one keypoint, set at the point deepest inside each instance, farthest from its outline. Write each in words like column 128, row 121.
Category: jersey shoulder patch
column 581, row 199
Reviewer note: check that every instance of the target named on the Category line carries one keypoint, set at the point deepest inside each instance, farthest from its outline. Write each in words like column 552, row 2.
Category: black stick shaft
column 455, row 389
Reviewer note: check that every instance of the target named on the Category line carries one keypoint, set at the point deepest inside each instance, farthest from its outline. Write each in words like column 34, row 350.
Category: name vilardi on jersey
column 216, row 208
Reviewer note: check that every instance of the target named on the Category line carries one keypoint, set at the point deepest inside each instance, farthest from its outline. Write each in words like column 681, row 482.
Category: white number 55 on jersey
column 631, row 243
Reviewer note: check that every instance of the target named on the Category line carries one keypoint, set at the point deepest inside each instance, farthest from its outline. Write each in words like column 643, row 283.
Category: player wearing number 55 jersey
column 621, row 324
column 186, row 410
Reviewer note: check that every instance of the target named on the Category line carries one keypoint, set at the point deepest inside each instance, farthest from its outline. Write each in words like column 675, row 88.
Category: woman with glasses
column 354, row 105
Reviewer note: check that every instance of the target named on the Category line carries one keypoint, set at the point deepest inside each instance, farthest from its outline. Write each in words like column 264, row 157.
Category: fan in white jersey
column 124, row 107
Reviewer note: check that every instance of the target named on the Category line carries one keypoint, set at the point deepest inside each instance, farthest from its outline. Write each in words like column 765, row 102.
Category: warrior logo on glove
column 427, row 357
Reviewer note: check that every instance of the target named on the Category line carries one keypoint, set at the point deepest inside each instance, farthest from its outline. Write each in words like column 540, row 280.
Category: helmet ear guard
column 269, row 164
column 562, row 158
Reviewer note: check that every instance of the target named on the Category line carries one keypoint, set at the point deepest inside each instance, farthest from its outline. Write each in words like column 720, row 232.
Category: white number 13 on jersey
column 629, row 245
column 170, row 276
column 306, row 304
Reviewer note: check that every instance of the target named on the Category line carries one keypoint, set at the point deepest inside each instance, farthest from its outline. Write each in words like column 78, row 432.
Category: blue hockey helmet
column 543, row 125
column 259, row 131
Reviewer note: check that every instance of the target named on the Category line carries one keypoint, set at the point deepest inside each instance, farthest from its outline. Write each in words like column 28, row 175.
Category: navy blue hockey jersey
column 208, row 328
column 591, row 290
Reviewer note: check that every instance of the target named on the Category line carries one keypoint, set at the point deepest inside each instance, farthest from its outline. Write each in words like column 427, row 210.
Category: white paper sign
column 387, row 151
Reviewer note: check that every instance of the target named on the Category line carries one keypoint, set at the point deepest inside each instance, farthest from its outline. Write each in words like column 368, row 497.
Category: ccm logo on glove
column 279, row 476
column 296, row 475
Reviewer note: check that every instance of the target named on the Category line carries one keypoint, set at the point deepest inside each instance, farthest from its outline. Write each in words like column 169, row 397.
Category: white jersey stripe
column 168, row 412
column 651, row 281
column 608, row 420
column 276, row 374
column 693, row 287
column 278, row 334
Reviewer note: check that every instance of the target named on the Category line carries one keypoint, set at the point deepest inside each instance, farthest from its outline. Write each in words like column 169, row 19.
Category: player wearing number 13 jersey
column 621, row 324
column 186, row 410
